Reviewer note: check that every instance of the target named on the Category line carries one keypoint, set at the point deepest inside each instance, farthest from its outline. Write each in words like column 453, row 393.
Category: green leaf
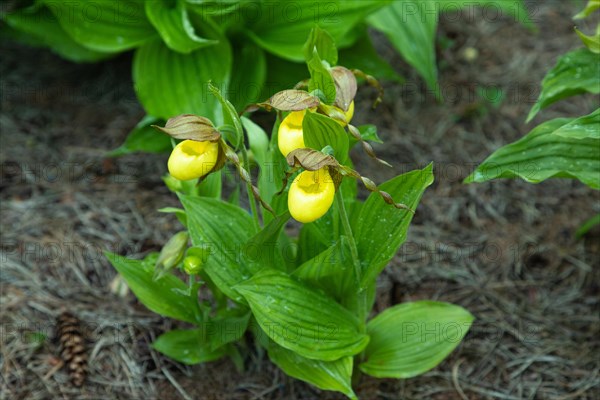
column 513, row 8
column 541, row 155
column 380, row 229
column 581, row 128
column 207, row 226
column 171, row 20
column 592, row 5
column 211, row 186
column 40, row 26
column 331, row 271
column 226, row 328
column 321, row 131
column 368, row 133
column 168, row 83
column 144, row 138
column 321, row 42
column 321, row 80
column 179, row 213
column 281, row 75
column 326, row 375
column 411, row 338
column 264, row 248
column 283, row 27
column 302, row 319
column 362, row 56
column 249, row 75
column 575, row 73
column 104, row 25
column 411, row 26
column 587, row 226
column 163, row 296
column 187, row 346
column 257, row 139
column 591, row 42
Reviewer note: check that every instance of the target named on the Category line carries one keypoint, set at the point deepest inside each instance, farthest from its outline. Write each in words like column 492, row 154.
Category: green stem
column 251, row 199
column 361, row 296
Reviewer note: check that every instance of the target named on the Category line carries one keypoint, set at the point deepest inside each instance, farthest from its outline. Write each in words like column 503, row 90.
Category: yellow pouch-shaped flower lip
column 311, row 195
column 191, row 159
column 290, row 136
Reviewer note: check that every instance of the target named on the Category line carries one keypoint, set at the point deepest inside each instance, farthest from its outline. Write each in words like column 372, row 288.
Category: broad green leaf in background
column 171, row 20
column 411, row 26
column 187, row 346
column 411, row 338
column 541, row 154
column 40, row 27
column 300, row 318
column 575, row 73
column 211, row 186
column 326, row 375
column 281, row 75
column 163, row 296
column 227, row 327
column 258, row 141
column 321, row 42
column 168, row 83
column 282, row 28
column 592, row 5
column 362, row 56
column 584, row 127
column 591, row 42
column 225, row 236
column 104, row 25
column 514, row 9
column 380, row 229
column 144, row 138
column 249, row 75
column 321, row 131
column 331, row 271
column 264, row 248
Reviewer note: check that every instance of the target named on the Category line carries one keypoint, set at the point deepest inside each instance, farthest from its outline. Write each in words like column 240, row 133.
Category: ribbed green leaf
column 321, row 131
column 326, row 375
column 584, row 127
column 264, row 248
column 171, row 20
column 144, row 138
column 321, row 79
column 104, row 25
column 575, row 73
column 207, row 226
column 165, row 296
column 187, row 346
column 249, row 75
column 321, row 42
column 410, row 26
column 41, row 25
column 168, row 83
column 541, row 155
column 411, row 338
column 380, row 229
column 257, row 139
column 592, row 5
column 592, row 42
column 283, row 27
column 331, row 271
column 300, row 318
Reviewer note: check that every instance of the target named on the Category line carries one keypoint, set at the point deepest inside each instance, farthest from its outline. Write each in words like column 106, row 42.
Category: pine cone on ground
column 72, row 346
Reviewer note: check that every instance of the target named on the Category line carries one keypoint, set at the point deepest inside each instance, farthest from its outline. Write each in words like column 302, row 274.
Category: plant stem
column 251, row 199
column 361, row 295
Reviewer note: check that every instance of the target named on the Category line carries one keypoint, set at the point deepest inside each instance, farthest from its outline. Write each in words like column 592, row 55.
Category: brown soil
column 505, row 250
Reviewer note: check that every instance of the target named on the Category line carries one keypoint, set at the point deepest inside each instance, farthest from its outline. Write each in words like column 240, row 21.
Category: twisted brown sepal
column 345, row 87
column 190, row 127
column 366, row 146
column 287, row 100
column 371, row 81
column 231, row 155
column 313, row 160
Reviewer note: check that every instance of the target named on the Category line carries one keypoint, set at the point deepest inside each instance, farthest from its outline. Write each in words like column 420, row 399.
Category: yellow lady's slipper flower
column 289, row 136
column 191, row 159
column 348, row 114
column 311, row 195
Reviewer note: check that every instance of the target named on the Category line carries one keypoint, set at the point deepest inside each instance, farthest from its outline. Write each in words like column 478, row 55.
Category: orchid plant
column 306, row 298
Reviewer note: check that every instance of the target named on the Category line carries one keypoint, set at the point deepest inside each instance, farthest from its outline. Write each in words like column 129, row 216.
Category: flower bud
column 195, row 259
column 311, row 195
column 290, row 136
column 191, row 159
column 171, row 254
